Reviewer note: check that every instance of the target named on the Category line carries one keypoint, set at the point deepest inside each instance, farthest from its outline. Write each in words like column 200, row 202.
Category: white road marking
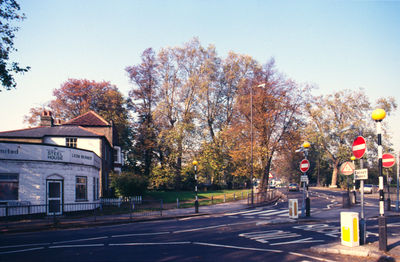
column 78, row 240
column 210, row 227
column 275, row 213
column 151, row 243
column 241, row 212
column 304, row 240
column 237, row 247
column 22, row 250
column 26, row 245
column 142, row 234
column 87, row 245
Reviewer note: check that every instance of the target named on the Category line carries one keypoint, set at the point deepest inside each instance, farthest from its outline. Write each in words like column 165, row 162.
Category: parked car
column 369, row 189
column 293, row 187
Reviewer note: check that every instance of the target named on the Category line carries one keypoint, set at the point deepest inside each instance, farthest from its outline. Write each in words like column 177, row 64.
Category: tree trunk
column 334, row 175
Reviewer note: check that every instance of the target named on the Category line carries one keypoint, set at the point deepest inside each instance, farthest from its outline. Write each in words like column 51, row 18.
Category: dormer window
column 71, row 142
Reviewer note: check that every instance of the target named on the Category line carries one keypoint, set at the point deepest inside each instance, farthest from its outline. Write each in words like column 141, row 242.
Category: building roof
column 90, row 118
column 43, row 131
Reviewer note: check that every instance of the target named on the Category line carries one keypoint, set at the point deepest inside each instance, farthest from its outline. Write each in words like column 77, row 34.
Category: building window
column 8, row 186
column 81, row 188
column 71, row 142
column 95, row 188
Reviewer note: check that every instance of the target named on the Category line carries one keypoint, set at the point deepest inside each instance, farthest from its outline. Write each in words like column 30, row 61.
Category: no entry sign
column 388, row 160
column 359, row 147
column 304, row 165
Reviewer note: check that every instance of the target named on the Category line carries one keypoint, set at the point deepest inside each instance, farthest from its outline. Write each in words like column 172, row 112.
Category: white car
column 369, row 189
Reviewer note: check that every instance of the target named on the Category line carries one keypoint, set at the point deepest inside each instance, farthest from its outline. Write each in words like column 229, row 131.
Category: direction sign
column 388, row 160
column 361, row 174
column 304, row 165
column 347, row 168
column 304, row 178
column 359, row 147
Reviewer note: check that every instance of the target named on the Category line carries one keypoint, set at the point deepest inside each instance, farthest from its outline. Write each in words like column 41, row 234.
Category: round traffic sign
column 359, row 147
column 347, row 168
column 388, row 160
column 304, row 165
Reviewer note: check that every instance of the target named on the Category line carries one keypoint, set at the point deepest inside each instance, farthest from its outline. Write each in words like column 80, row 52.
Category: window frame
column 78, row 187
column 10, row 178
column 71, row 142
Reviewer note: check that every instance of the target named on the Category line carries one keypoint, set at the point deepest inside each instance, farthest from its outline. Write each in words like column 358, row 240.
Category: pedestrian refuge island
column 349, row 229
column 293, row 209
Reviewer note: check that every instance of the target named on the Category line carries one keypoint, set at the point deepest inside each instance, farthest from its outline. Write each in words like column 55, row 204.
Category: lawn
column 187, row 196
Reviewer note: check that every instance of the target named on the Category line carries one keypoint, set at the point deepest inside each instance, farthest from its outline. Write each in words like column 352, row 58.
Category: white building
column 60, row 164
column 38, row 174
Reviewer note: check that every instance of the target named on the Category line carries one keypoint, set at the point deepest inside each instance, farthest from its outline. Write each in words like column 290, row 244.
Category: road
column 246, row 235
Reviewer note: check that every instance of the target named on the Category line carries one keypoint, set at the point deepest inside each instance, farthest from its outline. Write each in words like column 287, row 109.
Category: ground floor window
column 81, row 188
column 95, row 188
column 8, row 186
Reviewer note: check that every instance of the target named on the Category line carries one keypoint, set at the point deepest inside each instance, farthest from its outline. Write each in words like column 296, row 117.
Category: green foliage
column 9, row 12
column 128, row 184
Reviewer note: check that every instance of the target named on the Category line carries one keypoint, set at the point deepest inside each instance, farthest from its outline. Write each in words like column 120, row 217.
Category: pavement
column 331, row 214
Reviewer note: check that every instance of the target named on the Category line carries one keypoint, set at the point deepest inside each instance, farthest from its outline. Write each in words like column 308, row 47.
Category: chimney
column 46, row 118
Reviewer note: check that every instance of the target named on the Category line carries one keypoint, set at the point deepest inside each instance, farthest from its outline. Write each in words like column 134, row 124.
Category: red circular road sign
column 304, row 165
column 388, row 160
column 359, row 147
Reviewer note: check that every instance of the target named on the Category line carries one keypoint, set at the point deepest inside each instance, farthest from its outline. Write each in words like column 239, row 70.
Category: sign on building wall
column 18, row 151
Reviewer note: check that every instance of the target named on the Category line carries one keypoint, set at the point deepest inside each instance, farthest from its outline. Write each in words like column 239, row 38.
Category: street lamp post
column 378, row 115
column 196, row 202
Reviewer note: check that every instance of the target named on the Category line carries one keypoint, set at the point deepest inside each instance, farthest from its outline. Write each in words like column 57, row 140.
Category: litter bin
column 349, row 229
column 293, row 208
column 345, row 200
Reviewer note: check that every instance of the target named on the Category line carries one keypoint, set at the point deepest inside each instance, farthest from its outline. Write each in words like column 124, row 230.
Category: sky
column 333, row 45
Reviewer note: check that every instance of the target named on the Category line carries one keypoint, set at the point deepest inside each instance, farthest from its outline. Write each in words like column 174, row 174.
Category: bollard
column 161, row 207
column 177, row 202
column 224, row 198
column 234, row 197
column 212, row 199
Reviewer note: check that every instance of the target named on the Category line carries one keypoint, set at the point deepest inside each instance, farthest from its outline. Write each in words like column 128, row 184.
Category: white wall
column 33, row 176
column 89, row 143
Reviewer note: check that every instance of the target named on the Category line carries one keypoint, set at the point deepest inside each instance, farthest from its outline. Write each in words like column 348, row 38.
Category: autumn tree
column 77, row 96
column 276, row 117
column 9, row 13
column 336, row 119
column 145, row 97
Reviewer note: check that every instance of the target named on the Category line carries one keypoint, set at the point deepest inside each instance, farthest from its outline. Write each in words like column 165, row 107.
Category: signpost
column 388, row 160
column 304, row 166
column 359, row 148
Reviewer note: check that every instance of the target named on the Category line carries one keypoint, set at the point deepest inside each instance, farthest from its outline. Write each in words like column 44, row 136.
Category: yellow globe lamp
column 195, row 163
column 353, row 158
column 378, row 114
column 306, row 144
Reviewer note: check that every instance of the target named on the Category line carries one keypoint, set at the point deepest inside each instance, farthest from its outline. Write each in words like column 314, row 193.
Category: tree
column 77, row 96
column 276, row 117
column 144, row 95
column 9, row 12
column 336, row 119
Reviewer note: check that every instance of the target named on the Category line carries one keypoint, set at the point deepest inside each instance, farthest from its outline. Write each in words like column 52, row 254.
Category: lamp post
column 378, row 115
column 196, row 202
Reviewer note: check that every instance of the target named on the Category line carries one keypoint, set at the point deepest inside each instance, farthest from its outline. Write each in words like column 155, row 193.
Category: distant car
column 369, row 189
column 293, row 187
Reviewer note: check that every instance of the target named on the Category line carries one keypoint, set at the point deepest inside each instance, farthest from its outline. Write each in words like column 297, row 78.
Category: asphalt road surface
column 237, row 236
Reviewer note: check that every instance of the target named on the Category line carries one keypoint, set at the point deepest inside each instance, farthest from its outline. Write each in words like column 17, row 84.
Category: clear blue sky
column 332, row 44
